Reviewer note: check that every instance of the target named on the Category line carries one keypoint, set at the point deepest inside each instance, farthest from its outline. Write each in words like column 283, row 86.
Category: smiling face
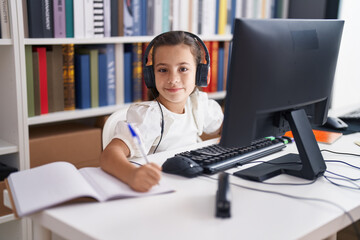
column 175, row 72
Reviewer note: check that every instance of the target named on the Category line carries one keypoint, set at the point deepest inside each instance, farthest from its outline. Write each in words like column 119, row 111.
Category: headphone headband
column 201, row 71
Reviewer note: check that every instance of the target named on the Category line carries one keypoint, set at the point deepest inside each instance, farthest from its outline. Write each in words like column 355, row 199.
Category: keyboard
column 215, row 158
column 351, row 115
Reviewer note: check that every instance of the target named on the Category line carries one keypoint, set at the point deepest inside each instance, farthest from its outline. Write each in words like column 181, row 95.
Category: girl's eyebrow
column 179, row 64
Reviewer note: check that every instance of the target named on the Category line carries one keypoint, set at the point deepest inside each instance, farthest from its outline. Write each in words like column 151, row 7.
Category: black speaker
column 202, row 69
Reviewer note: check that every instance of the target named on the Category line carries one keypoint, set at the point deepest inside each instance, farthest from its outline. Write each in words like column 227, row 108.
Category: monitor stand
column 308, row 164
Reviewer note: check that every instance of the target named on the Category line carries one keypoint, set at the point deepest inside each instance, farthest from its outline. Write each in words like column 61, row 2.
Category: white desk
column 189, row 213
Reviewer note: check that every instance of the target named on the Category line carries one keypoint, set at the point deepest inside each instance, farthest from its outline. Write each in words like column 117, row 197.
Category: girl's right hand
column 145, row 177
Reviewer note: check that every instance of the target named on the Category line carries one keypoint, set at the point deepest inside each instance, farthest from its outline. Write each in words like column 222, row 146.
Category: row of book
column 107, row 18
column 68, row 77
column 4, row 20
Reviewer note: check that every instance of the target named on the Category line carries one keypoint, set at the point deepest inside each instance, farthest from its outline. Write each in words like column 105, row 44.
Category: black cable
column 301, row 198
column 162, row 121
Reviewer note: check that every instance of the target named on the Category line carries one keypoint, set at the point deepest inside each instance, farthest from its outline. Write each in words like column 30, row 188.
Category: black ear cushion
column 201, row 75
column 149, row 76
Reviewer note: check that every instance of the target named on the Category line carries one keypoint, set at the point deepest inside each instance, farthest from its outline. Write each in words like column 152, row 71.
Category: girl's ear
column 208, row 77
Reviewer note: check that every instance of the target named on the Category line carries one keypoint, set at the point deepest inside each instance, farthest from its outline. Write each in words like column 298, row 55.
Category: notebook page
column 110, row 187
column 48, row 185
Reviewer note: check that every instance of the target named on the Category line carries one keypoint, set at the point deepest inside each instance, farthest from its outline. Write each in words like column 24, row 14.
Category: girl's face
column 175, row 71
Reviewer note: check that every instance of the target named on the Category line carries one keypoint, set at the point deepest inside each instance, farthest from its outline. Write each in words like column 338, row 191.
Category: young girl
column 177, row 117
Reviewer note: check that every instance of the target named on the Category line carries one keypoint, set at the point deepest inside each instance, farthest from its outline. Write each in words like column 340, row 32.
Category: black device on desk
column 223, row 198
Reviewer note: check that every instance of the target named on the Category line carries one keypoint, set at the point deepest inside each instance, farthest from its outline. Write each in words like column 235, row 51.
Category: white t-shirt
column 201, row 115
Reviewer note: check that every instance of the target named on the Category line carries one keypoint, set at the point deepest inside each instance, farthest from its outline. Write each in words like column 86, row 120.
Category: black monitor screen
column 280, row 78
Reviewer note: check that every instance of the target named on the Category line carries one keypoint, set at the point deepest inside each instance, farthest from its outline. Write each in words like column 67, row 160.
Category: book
column 222, row 16
column 184, row 15
column 220, row 76
column 137, row 72
column 136, row 13
column 79, row 19
column 43, row 79
column 4, row 19
column 59, row 18
column 88, row 11
column 35, row 70
column 166, row 24
column 150, row 17
column 103, row 82
column 82, row 81
column 208, row 17
column 40, row 18
column 94, row 73
column 114, row 18
column 119, row 73
column 322, row 136
column 57, row 183
column 68, row 76
column 128, row 17
column 98, row 18
column 55, row 78
column 69, row 18
column 128, row 73
column 121, row 17
column 29, row 80
column 214, row 65
column 107, row 18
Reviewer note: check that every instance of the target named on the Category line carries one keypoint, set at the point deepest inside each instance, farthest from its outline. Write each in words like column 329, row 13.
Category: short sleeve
column 146, row 118
column 212, row 112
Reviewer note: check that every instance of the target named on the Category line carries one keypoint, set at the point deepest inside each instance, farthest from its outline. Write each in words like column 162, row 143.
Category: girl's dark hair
column 173, row 38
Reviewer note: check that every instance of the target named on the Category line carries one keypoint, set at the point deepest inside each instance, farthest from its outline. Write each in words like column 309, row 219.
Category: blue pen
column 138, row 142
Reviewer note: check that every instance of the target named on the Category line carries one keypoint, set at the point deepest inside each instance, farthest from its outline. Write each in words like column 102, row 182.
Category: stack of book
column 109, row 18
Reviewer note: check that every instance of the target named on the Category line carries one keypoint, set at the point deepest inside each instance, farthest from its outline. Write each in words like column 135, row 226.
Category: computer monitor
column 280, row 78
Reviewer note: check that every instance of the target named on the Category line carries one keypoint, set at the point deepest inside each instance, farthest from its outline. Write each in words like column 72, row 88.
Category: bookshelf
column 14, row 120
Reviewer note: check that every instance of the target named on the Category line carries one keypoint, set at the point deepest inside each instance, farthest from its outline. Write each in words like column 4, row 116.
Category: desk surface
column 189, row 212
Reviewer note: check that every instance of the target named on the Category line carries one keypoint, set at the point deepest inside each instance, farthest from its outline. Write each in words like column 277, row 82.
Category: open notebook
column 55, row 183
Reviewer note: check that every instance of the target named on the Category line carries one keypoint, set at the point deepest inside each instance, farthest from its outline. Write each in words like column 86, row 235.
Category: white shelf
column 217, row 95
column 6, row 42
column 7, row 218
column 74, row 114
column 7, row 148
column 110, row 40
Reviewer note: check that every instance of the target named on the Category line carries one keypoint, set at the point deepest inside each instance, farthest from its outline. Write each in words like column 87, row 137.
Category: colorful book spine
column 82, row 81
column 220, row 75
column 69, row 18
column 29, row 80
column 107, row 18
column 136, row 12
column 103, row 81
column 222, row 16
column 143, row 15
column 79, row 19
column 214, row 65
column 98, row 18
column 55, row 78
column 128, row 98
column 111, row 74
column 119, row 73
column 35, row 61
column 47, row 15
column 137, row 72
column 59, row 18
column 68, row 76
column 128, row 18
column 114, row 18
column 166, row 24
column 44, row 105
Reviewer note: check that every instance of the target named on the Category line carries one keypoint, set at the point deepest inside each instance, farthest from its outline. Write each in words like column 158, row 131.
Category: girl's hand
column 145, row 177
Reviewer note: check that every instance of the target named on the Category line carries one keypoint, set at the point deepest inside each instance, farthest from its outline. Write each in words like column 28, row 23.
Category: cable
column 162, row 121
column 302, row 198
column 342, row 153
